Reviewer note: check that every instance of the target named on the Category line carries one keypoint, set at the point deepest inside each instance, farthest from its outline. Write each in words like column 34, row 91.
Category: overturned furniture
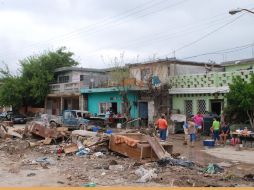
column 139, row 146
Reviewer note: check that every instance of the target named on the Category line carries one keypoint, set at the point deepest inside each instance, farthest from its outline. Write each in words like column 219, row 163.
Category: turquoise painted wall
column 179, row 102
column 105, row 97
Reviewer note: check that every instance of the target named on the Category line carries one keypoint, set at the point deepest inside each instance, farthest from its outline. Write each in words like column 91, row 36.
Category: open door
column 216, row 106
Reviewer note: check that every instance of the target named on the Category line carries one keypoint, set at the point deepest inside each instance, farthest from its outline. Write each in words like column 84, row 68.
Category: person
column 185, row 129
column 224, row 133
column 162, row 125
column 192, row 131
column 198, row 119
column 215, row 129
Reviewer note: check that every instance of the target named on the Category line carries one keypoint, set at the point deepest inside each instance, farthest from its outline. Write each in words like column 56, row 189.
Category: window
column 201, row 106
column 145, row 73
column 103, row 107
column 168, row 70
column 81, row 77
column 188, row 107
column 63, row 79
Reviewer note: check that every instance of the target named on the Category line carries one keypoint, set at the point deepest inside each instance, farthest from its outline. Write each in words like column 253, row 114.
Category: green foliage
column 37, row 72
column 10, row 90
column 241, row 97
column 119, row 74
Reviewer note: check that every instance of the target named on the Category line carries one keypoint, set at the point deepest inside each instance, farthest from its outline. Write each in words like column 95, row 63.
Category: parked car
column 18, row 119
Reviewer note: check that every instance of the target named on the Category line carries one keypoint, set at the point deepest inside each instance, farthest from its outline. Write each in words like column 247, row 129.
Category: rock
column 31, row 174
column 224, row 164
column 60, row 182
column 113, row 162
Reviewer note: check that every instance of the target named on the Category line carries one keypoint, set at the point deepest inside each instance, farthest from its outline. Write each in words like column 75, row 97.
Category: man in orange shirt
column 162, row 125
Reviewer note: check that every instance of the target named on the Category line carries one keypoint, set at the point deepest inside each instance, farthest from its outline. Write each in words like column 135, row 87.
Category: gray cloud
column 141, row 29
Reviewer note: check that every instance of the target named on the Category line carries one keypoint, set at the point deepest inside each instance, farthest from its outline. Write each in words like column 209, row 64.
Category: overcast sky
column 97, row 31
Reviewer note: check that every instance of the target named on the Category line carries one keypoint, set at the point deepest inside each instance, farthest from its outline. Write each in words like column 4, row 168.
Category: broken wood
column 70, row 148
column 157, row 147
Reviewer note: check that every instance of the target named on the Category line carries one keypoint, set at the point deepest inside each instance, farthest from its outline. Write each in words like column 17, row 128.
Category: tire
column 52, row 124
column 82, row 127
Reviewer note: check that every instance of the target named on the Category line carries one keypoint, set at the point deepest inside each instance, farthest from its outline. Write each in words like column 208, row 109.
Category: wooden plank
column 157, row 147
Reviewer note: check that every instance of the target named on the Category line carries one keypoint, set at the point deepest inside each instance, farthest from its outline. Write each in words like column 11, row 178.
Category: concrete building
column 206, row 92
column 65, row 91
column 155, row 76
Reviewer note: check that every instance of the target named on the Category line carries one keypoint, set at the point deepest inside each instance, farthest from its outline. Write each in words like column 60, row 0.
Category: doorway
column 114, row 107
column 143, row 112
column 216, row 106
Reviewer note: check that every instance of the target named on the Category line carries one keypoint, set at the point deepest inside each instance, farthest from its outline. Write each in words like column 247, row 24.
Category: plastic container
column 109, row 131
column 95, row 129
column 209, row 143
column 91, row 184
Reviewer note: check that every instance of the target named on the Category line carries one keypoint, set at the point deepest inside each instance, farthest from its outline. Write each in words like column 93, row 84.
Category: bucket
column 95, row 129
column 208, row 143
column 109, row 131
column 118, row 125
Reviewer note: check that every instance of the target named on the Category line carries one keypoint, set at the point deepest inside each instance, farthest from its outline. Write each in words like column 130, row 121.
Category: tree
column 240, row 97
column 32, row 86
column 119, row 74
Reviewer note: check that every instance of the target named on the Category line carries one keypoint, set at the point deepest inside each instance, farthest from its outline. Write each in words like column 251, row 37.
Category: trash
column 91, row 184
column 44, row 160
column 80, row 146
column 47, row 141
column 98, row 154
column 249, row 177
column 116, row 167
column 146, row 175
column 213, row 169
column 103, row 173
column 84, row 133
column 70, row 148
column 83, row 152
column 177, row 162
column 31, row 174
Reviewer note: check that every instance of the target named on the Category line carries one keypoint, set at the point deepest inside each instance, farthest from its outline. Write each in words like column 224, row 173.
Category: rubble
column 146, row 175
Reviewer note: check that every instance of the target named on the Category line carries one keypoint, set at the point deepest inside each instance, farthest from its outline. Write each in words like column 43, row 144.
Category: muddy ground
column 18, row 168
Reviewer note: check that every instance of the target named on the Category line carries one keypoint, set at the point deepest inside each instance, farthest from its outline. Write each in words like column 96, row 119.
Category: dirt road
column 18, row 168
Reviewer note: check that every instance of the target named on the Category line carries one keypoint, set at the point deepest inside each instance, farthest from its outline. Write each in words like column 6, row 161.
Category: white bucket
column 118, row 125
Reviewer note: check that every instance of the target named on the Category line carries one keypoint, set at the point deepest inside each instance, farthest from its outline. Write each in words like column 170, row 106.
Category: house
column 192, row 93
column 101, row 99
column 155, row 76
column 65, row 91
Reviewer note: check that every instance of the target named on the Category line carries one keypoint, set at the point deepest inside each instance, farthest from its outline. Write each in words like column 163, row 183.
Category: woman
column 224, row 134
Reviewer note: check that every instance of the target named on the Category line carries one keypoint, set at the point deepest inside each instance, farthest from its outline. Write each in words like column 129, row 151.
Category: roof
column 111, row 89
column 173, row 60
column 79, row 69
column 204, row 90
column 238, row 62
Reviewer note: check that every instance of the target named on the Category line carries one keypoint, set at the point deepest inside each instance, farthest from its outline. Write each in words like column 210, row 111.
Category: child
column 185, row 128
column 192, row 131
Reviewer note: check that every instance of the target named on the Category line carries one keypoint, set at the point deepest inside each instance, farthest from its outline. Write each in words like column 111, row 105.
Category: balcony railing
column 71, row 87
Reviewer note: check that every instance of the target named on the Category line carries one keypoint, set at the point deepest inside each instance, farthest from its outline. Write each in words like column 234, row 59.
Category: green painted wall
column 105, row 97
column 237, row 67
column 179, row 101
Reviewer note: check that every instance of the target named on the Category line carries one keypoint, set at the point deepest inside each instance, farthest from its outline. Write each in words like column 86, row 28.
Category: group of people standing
column 193, row 127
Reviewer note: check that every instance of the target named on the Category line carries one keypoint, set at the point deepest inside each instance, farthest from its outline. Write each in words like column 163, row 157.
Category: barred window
column 188, row 107
column 201, row 106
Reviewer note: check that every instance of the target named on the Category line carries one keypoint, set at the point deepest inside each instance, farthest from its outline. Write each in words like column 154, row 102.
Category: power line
column 228, row 50
column 208, row 34
column 110, row 21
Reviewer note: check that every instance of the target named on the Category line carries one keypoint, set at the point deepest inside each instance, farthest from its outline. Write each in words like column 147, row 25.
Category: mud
column 19, row 169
